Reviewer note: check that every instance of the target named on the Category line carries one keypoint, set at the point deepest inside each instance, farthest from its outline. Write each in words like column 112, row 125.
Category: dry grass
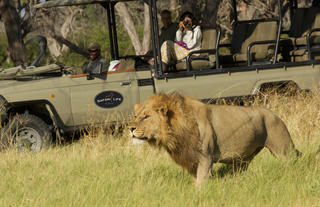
column 300, row 112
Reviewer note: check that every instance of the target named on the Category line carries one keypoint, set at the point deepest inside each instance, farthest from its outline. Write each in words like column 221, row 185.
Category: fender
column 52, row 113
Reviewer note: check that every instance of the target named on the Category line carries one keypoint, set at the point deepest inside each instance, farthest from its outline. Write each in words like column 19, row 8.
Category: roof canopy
column 56, row 3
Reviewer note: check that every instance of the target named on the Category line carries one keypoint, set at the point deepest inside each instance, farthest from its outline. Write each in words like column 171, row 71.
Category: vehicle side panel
column 239, row 83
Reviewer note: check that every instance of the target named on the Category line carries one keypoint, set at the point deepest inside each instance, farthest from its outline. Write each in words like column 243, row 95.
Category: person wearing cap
column 96, row 63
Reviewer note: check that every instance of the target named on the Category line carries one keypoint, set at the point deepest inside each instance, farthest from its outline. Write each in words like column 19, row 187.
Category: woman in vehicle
column 188, row 38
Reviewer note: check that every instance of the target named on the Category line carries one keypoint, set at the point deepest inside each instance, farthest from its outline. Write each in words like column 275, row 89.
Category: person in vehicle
column 188, row 38
column 168, row 31
column 96, row 63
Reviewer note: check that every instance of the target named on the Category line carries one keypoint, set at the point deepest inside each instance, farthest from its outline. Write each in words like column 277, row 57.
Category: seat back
column 246, row 33
column 209, row 41
column 316, row 22
column 262, row 32
column 303, row 21
column 241, row 31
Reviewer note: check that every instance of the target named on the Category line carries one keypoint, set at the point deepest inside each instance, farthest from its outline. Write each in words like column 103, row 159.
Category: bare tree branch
column 71, row 45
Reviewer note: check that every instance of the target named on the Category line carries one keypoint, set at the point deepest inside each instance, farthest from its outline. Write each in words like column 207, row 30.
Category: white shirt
column 192, row 38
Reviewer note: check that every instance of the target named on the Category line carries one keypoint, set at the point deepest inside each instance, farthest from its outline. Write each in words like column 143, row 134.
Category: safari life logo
column 108, row 99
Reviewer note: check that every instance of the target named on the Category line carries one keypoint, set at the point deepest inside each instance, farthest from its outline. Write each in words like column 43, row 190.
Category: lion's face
column 148, row 119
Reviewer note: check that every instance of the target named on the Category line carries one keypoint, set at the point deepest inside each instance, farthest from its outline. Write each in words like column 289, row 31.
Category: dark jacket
column 168, row 33
column 96, row 66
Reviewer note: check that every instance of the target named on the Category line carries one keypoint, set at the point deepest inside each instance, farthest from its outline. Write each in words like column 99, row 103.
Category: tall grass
column 104, row 169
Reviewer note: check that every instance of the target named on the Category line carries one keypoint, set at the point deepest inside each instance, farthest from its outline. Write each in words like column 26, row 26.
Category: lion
column 196, row 135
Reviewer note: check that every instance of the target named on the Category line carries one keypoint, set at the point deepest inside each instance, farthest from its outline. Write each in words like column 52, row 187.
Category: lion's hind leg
column 241, row 164
column 278, row 140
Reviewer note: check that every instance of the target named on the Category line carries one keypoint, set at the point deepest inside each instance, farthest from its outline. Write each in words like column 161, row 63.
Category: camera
column 185, row 23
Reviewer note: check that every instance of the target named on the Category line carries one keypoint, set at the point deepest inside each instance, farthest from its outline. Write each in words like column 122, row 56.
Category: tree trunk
column 173, row 5
column 129, row 25
column 53, row 46
column 225, row 18
column 146, row 32
column 11, row 21
column 188, row 5
column 66, row 27
column 210, row 13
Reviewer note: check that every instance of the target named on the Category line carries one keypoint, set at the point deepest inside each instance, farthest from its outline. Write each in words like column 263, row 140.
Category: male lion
column 196, row 135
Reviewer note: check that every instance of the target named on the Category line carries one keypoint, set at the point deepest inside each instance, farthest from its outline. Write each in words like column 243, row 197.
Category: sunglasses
column 93, row 50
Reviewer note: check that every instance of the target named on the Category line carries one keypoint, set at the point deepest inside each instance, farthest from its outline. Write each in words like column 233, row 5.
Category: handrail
column 249, row 61
column 111, row 72
column 309, row 41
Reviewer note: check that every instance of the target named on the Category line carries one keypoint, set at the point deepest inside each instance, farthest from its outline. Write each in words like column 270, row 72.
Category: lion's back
column 227, row 116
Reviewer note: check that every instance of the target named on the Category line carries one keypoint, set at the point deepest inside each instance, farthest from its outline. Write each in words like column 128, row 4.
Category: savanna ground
column 107, row 170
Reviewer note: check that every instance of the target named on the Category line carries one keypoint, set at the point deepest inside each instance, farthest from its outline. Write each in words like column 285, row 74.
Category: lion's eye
column 145, row 117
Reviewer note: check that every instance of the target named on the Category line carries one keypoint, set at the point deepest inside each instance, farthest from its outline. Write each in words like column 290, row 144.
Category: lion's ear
column 136, row 107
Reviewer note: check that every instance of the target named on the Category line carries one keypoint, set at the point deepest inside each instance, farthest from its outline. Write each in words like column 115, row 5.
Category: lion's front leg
column 207, row 137
column 204, row 170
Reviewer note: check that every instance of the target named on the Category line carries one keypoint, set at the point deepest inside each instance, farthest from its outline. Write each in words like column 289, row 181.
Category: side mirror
column 90, row 76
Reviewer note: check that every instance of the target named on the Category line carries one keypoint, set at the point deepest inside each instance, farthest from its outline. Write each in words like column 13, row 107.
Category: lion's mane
column 179, row 132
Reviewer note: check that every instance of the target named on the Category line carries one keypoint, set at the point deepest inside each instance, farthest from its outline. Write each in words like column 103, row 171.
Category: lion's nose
column 131, row 128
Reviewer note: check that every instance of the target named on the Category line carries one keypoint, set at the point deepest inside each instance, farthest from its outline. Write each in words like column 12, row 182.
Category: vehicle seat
column 203, row 60
column 261, row 35
column 304, row 21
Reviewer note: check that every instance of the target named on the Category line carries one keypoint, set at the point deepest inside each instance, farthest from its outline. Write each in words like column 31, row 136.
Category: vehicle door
column 107, row 97
column 208, row 84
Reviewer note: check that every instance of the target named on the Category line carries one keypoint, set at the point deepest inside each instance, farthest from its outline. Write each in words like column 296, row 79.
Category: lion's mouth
column 138, row 141
column 140, row 138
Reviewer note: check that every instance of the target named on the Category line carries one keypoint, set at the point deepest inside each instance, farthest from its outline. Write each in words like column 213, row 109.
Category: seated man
column 169, row 29
column 167, row 32
column 96, row 63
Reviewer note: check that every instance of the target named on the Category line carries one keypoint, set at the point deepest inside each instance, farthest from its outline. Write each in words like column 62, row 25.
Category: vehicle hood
column 24, row 85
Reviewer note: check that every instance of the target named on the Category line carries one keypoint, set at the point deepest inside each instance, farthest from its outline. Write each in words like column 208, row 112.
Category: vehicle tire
column 26, row 132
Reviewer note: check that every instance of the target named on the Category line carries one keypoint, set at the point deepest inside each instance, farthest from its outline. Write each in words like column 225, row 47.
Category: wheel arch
column 278, row 86
column 41, row 108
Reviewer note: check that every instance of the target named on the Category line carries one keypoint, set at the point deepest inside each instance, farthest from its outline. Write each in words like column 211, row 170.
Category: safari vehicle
column 44, row 101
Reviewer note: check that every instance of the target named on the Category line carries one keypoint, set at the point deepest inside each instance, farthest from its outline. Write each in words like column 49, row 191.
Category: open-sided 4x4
column 42, row 101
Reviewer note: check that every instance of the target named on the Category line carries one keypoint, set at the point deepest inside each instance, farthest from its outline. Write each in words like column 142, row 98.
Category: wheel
column 26, row 132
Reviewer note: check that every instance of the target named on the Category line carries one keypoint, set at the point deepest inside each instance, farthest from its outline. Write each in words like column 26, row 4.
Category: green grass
column 107, row 170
